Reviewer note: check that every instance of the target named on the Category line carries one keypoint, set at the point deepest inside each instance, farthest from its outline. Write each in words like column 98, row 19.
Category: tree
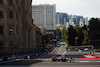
column 80, row 34
column 71, row 36
column 94, row 29
column 63, row 33
column 77, row 28
column 80, row 37
column 66, row 36
column 85, row 41
column 63, row 30
column 58, row 33
column 84, row 28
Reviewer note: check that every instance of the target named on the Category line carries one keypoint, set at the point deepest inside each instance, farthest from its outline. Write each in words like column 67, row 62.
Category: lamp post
column 12, row 38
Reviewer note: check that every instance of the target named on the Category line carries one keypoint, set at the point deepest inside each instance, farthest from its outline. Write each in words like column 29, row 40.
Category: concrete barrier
column 1, row 59
column 5, row 58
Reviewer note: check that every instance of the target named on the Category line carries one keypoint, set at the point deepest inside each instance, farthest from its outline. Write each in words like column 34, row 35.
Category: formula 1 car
column 69, row 60
column 58, row 58
column 27, row 57
column 63, row 59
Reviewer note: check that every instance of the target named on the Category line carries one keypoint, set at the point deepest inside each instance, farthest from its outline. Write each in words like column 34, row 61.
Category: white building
column 44, row 16
column 68, row 24
column 81, row 22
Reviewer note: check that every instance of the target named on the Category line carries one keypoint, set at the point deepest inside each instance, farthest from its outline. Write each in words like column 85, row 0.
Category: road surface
column 45, row 60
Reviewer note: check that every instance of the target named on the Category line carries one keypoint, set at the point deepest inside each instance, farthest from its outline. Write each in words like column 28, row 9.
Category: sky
column 85, row 8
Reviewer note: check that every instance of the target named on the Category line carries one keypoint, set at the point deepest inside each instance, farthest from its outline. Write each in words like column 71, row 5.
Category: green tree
column 94, row 29
column 58, row 33
column 66, row 36
column 63, row 33
column 85, row 41
column 80, row 34
column 71, row 36
column 80, row 37
column 63, row 30
column 77, row 28
column 84, row 28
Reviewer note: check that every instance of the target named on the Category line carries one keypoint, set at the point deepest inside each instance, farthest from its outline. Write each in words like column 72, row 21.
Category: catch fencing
column 80, row 50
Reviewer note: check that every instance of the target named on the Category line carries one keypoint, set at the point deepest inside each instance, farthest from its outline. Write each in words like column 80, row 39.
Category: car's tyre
column 59, row 60
column 53, row 60
column 73, row 60
column 63, row 60
column 69, row 61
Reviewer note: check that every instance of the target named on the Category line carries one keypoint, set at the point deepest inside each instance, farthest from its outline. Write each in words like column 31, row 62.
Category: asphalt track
column 45, row 60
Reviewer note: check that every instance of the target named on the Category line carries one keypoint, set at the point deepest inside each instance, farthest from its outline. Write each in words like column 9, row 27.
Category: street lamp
column 12, row 36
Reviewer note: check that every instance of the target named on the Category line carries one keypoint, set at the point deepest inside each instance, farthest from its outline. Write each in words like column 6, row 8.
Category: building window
column 10, row 2
column 1, row 1
column 11, row 14
column 16, row 2
column 1, row 44
column 1, row 29
column 1, row 14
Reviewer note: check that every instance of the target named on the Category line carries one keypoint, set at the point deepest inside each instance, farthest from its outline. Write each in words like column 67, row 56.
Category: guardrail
column 7, row 52
column 53, row 47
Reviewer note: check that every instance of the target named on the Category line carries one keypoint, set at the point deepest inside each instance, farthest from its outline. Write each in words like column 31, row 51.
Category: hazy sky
column 85, row 8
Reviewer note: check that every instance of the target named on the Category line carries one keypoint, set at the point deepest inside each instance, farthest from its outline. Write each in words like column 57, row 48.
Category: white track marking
column 60, row 48
column 54, row 49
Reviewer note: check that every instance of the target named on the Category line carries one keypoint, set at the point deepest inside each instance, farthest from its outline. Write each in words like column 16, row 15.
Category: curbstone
column 87, row 61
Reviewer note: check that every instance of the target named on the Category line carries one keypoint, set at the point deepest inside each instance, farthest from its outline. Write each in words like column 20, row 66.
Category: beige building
column 43, row 31
column 60, row 26
column 16, row 25
column 44, row 16
column 34, row 35
column 68, row 24
column 81, row 22
column 37, row 36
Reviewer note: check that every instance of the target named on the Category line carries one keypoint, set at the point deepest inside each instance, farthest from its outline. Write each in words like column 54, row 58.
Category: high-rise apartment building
column 62, row 18
column 15, row 26
column 86, row 21
column 44, row 16
column 77, row 20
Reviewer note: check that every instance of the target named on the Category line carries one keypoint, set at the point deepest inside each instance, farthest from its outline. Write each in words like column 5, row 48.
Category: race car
column 27, row 57
column 69, row 60
column 63, row 59
column 58, row 58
